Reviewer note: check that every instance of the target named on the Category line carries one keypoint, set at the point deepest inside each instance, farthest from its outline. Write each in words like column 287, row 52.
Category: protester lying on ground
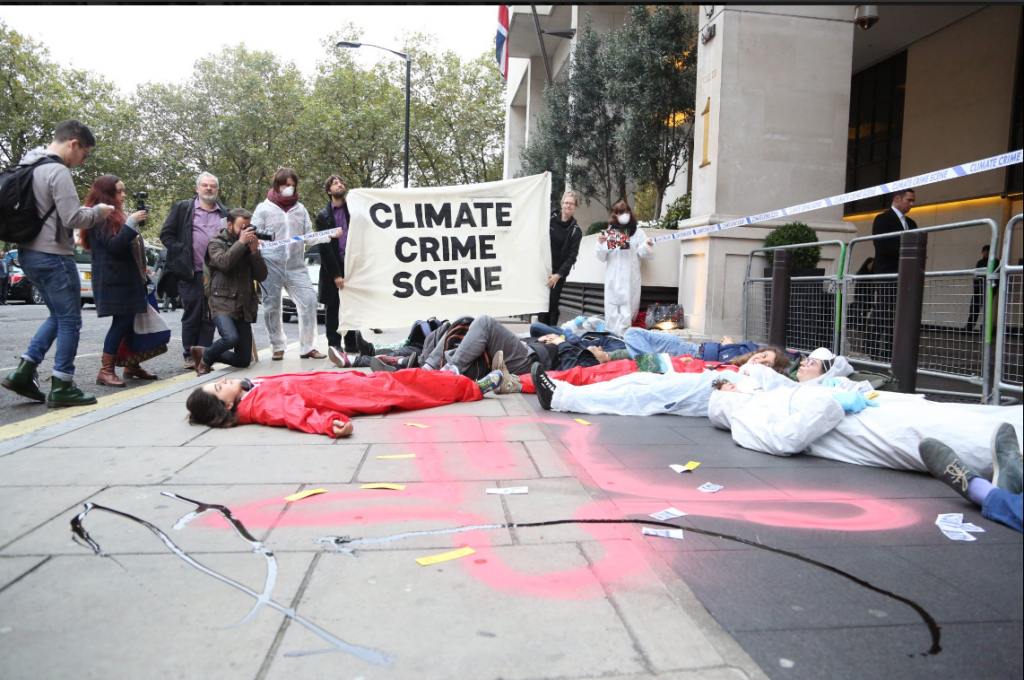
column 236, row 265
column 640, row 341
column 646, row 394
column 1000, row 500
column 486, row 336
column 605, row 340
column 829, row 419
column 773, row 357
column 324, row 402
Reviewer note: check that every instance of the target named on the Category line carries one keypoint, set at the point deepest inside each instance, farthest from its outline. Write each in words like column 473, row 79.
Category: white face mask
column 287, row 192
column 624, row 219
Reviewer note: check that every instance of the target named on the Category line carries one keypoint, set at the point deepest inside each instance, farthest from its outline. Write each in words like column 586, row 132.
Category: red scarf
column 281, row 202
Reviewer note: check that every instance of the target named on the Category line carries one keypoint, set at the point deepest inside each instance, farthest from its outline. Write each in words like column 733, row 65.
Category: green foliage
column 645, row 200
column 549, row 145
column 655, row 64
column 678, row 209
column 596, row 227
column 244, row 113
column 792, row 234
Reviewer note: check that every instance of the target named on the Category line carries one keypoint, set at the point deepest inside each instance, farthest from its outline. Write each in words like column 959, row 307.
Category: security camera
column 865, row 16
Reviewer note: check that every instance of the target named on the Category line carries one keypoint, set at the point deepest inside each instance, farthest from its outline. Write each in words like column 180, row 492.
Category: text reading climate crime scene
column 471, row 248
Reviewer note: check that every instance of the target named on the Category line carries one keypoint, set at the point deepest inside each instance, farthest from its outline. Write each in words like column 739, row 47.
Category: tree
column 549, row 143
column 654, row 59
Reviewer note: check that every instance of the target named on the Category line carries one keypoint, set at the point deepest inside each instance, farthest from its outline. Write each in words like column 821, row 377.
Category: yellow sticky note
column 872, row 395
column 401, row 455
column 304, row 494
column 417, row 425
column 393, row 487
column 581, row 421
column 444, row 557
column 692, row 465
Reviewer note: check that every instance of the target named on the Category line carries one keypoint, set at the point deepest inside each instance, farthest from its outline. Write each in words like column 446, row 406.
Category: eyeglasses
column 569, row 203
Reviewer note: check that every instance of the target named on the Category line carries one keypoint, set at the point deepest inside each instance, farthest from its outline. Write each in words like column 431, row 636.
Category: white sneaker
column 338, row 358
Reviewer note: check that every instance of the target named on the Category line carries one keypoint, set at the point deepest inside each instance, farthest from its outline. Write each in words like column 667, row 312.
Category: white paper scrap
column 708, row 487
column 973, row 528
column 667, row 514
column 663, row 533
column 509, row 490
column 954, row 518
column 957, row 535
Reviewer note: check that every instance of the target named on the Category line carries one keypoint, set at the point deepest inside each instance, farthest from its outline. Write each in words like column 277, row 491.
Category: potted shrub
column 805, row 260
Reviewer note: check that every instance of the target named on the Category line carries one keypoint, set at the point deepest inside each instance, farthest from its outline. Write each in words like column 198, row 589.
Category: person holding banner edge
column 566, row 236
column 621, row 247
column 332, row 272
column 283, row 215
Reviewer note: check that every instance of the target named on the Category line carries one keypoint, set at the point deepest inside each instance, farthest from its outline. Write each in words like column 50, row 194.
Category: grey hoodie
column 52, row 184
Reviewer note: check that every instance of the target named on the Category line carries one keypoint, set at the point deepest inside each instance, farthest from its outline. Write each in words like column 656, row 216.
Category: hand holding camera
column 141, row 208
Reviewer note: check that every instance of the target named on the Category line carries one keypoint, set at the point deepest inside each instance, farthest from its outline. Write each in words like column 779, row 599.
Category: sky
column 131, row 45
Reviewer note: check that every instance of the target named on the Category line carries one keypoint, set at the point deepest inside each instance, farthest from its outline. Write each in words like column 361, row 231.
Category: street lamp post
column 408, row 79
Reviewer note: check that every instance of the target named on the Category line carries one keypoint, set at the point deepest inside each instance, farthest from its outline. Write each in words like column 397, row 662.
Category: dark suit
column 887, row 261
column 331, row 267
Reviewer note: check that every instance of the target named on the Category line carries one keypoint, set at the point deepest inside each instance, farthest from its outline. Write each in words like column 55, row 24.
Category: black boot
column 24, row 380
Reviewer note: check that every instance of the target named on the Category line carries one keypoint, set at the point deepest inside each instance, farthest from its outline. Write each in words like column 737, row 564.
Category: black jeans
column 551, row 318
column 332, row 308
column 196, row 326
column 234, row 346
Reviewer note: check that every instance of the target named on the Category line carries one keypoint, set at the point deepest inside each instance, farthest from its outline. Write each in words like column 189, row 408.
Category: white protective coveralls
column 286, row 267
column 806, row 418
column 622, row 281
column 648, row 394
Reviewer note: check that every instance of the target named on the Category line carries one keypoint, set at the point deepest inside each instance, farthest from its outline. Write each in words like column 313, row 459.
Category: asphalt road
column 19, row 321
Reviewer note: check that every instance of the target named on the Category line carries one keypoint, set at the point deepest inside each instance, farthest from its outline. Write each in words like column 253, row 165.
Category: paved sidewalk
column 561, row 601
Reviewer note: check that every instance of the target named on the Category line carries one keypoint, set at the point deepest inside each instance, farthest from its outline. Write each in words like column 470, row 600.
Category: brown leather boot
column 107, row 376
column 197, row 357
column 138, row 372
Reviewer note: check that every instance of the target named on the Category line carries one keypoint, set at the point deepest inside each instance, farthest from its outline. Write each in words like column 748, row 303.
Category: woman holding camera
column 283, row 216
column 621, row 247
column 118, row 274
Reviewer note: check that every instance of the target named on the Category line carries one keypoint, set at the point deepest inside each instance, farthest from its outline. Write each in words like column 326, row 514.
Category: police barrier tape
column 315, row 235
column 992, row 163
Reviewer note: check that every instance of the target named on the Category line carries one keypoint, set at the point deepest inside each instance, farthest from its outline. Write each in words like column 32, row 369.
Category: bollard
column 778, row 324
column 909, row 301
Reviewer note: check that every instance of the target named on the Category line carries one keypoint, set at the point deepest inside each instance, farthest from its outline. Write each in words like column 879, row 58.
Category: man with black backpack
column 39, row 210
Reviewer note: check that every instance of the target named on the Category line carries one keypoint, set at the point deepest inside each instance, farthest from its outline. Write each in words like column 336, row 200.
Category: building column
column 772, row 112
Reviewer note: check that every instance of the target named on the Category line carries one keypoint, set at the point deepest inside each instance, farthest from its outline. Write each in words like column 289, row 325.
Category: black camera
column 140, row 203
column 263, row 235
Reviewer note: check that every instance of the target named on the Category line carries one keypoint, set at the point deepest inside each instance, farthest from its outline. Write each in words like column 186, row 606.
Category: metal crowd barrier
column 947, row 348
column 1008, row 372
column 814, row 303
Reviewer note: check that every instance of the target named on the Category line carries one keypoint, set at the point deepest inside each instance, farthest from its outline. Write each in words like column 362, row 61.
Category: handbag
column 149, row 337
column 664, row 317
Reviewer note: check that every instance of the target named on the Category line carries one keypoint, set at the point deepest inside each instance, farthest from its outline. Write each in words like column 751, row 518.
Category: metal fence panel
column 1009, row 326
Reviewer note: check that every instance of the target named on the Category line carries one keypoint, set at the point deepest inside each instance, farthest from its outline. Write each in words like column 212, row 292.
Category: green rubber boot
column 65, row 393
column 25, row 381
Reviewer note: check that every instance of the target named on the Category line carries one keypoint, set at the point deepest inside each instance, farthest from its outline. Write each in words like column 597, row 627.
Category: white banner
column 446, row 252
column 982, row 165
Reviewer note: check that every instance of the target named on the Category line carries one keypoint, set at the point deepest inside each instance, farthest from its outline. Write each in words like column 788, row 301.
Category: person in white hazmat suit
column 282, row 215
column 830, row 419
column 680, row 394
column 621, row 248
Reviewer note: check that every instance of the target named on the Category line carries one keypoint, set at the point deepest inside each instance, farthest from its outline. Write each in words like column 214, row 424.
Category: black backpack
column 454, row 337
column 19, row 215
column 420, row 330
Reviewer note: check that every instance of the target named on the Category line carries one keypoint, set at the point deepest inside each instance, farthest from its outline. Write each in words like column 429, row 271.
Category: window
column 875, row 139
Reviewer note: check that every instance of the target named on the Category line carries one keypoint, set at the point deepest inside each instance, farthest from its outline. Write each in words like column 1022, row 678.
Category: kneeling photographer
column 235, row 265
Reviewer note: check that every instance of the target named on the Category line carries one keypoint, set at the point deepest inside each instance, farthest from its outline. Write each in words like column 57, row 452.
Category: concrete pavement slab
column 24, row 509
column 348, row 510
column 559, row 499
column 144, row 616
column 448, row 461
column 148, row 425
column 396, row 431
column 255, row 505
column 488, row 406
column 667, row 637
column 13, row 568
column 273, row 464
column 256, row 435
column 47, row 466
column 512, row 612
column 854, row 481
column 512, row 429
column 546, row 459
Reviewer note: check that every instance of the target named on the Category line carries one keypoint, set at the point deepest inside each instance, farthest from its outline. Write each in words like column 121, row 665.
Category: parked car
column 288, row 306
column 83, row 260
column 21, row 288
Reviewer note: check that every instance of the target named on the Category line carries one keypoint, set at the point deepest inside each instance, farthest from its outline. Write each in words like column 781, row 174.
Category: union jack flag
column 501, row 42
